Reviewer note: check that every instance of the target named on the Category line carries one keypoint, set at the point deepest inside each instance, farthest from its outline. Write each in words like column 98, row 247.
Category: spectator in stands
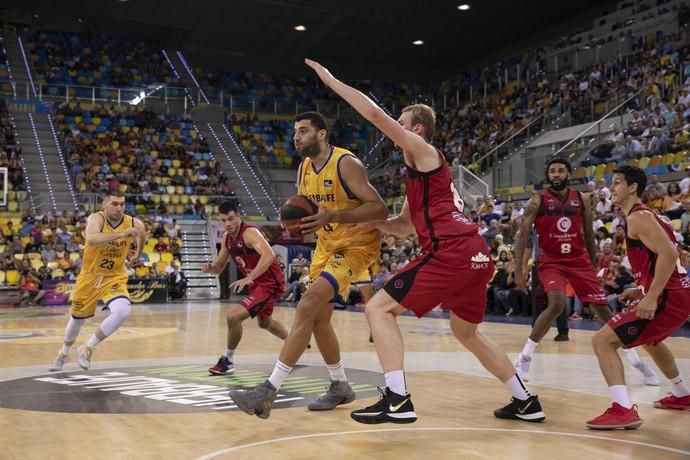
column 30, row 288
column 673, row 201
column 297, row 286
column 31, row 246
column 653, row 199
column 614, row 287
column 161, row 246
column 177, row 282
column 173, row 229
column 633, row 148
column 654, row 183
column 491, row 231
column 597, row 223
column 489, row 214
column 618, row 243
column 685, row 183
column 602, row 238
column 603, row 206
column 8, row 229
column 300, row 260
column 607, row 256
column 14, row 246
column 618, row 217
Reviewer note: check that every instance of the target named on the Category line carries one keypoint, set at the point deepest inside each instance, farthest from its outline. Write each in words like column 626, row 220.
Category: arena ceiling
column 362, row 32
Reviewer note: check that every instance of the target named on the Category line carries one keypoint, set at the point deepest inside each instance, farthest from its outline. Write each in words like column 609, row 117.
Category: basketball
column 294, row 209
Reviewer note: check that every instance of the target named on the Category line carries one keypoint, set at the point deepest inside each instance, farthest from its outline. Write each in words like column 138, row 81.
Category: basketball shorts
column 455, row 275
column 341, row 268
column 580, row 274
column 89, row 289
column 261, row 300
column 673, row 312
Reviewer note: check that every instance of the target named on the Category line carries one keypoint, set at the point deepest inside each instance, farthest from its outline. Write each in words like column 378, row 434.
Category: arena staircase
column 197, row 249
column 51, row 186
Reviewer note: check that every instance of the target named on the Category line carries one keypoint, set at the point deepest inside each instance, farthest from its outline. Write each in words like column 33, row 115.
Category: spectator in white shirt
column 685, row 183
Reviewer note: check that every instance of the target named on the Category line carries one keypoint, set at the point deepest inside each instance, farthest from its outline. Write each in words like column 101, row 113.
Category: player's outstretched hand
column 238, row 285
column 324, row 74
column 131, row 232
column 631, row 295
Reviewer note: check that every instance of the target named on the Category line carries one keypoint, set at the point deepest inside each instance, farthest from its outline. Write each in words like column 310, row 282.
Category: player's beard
column 560, row 187
column 309, row 148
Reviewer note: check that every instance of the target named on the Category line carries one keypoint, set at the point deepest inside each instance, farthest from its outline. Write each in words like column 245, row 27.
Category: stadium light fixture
column 418, row 42
column 464, row 7
column 300, row 28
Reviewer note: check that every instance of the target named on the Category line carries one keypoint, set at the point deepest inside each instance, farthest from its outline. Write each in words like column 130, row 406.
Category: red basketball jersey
column 559, row 224
column 643, row 261
column 436, row 207
column 247, row 259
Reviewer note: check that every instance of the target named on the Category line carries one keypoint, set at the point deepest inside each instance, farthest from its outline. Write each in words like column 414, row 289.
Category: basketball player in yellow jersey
column 109, row 235
column 337, row 181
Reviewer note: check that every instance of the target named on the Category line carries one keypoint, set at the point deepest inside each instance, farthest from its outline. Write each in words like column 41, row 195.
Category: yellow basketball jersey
column 109, row 259
column 326, row 188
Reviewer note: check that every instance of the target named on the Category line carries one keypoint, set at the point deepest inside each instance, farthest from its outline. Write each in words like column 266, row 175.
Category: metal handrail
column 598, row 122
column 495, row 149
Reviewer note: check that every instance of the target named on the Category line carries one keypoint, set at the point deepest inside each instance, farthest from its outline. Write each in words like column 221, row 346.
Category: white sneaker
column 650, row 377
column 522, row 366
column 59, row 362
column 84, row 353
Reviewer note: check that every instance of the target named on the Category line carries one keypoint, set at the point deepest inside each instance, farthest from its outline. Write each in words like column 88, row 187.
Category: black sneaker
column 391, row 408
column 561, row 337
column 528, row 410
column 223, row 366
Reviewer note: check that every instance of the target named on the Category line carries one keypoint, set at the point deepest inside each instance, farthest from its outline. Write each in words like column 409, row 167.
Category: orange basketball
column 293, row 210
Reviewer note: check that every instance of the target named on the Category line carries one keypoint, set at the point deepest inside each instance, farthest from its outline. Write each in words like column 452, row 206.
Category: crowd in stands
column 39, row 247
column 10, row 158
column 93, row 59
column 160, row 159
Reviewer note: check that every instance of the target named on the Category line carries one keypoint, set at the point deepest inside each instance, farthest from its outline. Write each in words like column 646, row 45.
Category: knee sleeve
column 119, row 312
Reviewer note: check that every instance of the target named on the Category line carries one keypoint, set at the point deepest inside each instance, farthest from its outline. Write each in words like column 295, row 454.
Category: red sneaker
column 616, row 417
column 673, row 402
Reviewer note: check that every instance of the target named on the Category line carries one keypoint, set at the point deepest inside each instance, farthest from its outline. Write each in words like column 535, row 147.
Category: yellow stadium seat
column 599, row 171
column 151, row 241
column 19, row 256
column 176, row 163
column 166, row 257
column 161, row 266
column 34, row 256
column 57, row 273
column 204, row 199
column 73, row 256
column 184, row 199
column 12, row 277
column 154, row 257
column 175, row 199
column 140, row 209
column 36, row 264
column 644, row 162
column 170, row 189
column 52, row 265
column 179, row 209
column 165, row 198
column 676, row 224
column 655, row 161
column 668, row 159
column 2, row 276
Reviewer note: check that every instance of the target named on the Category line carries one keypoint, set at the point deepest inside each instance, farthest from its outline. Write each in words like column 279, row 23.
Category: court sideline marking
column 502, row 430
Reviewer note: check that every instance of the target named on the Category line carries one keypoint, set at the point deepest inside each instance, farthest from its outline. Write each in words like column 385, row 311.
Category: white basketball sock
column 71, row 332
column 280, row 373
column 529, row 348
column 517, row 388
column 229, row 354
column 632, row 355
column 395, row 381
column 678, row 387
column 619, row 394
column 337, row 372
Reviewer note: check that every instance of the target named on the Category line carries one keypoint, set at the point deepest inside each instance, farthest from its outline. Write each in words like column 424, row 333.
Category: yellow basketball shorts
column 89, row 289
column 342, row 268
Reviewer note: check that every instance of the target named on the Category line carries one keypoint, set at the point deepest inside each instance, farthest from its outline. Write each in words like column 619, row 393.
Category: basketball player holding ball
column 337, row 182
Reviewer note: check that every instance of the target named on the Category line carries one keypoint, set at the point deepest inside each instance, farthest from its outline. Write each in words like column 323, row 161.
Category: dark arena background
column 179, row 106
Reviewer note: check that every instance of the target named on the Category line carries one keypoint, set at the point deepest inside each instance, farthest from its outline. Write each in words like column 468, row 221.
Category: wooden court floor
column 148, row 395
